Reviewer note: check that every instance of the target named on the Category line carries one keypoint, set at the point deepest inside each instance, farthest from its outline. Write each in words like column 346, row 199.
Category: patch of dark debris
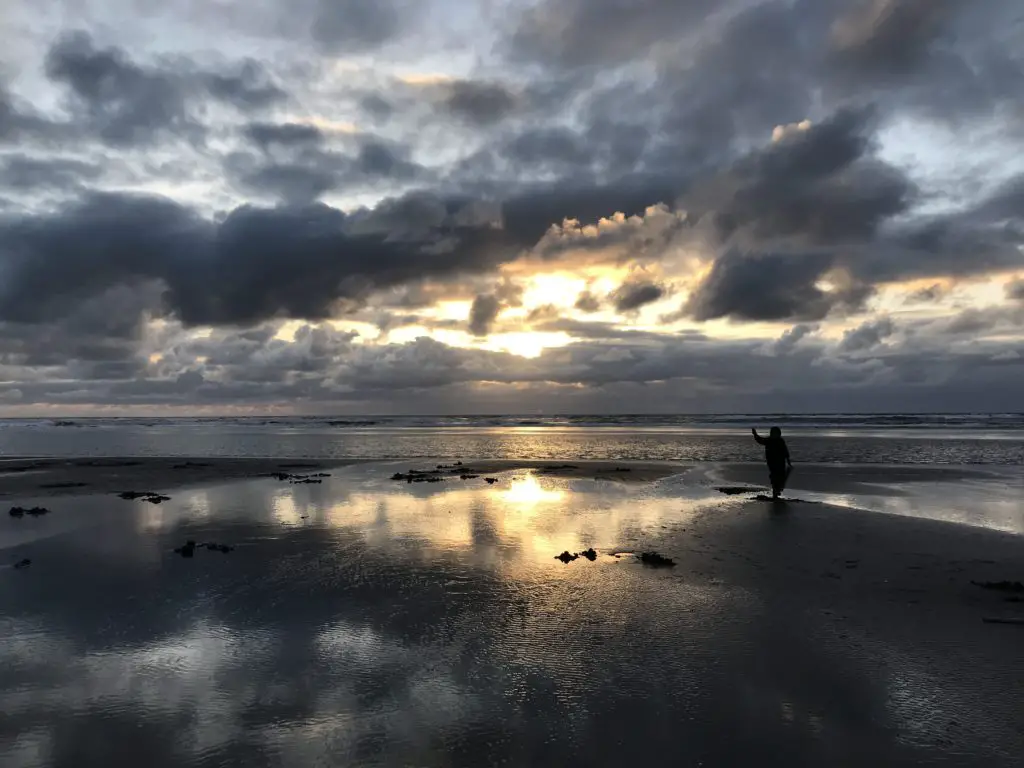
column 150, row 496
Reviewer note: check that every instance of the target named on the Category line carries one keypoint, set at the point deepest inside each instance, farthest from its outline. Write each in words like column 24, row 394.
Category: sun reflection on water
column 528, row 492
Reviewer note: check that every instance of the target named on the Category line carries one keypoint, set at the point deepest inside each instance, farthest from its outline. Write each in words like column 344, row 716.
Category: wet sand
column 364, row 621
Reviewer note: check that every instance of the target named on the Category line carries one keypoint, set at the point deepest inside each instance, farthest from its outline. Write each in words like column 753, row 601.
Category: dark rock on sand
column 32, row 511
column 23, row 563
column 294, row 479
column 213, row 546
column 491, row 480
column 655, row 560
column 1000, row 586
column 567, row 556
column 150, row 496
column 63, row 485
column 188, row 550
column 419, row 476
column 468, row 477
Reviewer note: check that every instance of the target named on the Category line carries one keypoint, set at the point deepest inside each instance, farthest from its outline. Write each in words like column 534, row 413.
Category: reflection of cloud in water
column 526, row 519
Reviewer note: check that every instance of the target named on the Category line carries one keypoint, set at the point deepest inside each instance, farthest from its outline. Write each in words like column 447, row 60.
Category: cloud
column 927, row 295
column 340, row 26
column 581, row 33
column 891, row 36
column 25, row 173
column 1015, row 290
column 587, row 302
column 867, row 336
column 791, row 338
column 767, row 286
column 268, row 135
column 305, row 262
column 631, row 296
column 774, row 161
column 124, row 103
column 294, row 166
column 479, row 103
column 483, row 313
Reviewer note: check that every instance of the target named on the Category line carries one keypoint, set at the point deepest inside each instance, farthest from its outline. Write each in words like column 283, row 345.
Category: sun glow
column 528, row 492
column 526, row 344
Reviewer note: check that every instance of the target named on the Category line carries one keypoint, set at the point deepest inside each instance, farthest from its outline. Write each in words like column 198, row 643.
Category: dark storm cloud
column 293, row 261
column 786, row 217
column 817, row 204
column 632, row 296
column 483, row 313
column 746, row 285
column 124, row 103
column 818, row 184
column 100, row 338
column 891, row 36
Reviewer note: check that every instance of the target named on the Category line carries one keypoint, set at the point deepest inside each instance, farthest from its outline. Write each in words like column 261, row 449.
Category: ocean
column 951, row 439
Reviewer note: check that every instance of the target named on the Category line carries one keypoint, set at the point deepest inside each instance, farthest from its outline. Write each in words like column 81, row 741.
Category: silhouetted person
column 777, row 455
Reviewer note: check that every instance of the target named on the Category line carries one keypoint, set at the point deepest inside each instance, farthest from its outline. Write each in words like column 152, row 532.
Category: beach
column 341, row 616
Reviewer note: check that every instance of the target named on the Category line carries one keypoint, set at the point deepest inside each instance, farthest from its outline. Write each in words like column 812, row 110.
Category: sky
column 531, row 206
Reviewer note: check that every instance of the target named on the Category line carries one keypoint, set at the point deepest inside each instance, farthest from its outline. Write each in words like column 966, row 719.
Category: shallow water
column 365, row 622
column 300, row 438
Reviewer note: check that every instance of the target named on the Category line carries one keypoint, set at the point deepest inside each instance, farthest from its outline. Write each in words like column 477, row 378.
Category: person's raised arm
column 760, row 440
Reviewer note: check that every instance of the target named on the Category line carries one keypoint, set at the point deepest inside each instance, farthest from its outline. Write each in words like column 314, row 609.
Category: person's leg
column 777, row 476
